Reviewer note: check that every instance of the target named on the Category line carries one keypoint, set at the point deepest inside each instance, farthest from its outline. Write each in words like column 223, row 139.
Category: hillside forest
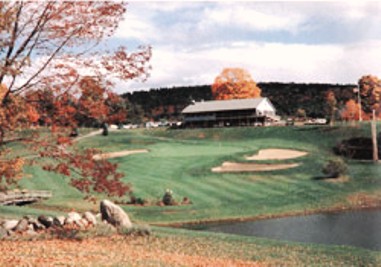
column 290, row 99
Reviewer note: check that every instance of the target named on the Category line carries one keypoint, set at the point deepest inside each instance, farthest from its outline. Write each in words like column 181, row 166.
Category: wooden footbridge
column 20, row 197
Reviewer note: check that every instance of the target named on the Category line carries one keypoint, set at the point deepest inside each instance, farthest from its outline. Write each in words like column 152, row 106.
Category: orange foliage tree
column 234, row 83
column 45, row 49
column 351, row 111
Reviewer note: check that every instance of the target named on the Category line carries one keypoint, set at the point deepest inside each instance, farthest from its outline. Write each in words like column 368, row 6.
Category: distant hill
column 287, row 98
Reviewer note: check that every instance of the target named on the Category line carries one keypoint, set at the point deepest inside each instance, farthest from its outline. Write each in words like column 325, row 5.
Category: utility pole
column 374, row 137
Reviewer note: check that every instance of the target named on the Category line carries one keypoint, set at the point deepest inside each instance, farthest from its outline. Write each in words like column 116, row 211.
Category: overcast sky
column 303, row 41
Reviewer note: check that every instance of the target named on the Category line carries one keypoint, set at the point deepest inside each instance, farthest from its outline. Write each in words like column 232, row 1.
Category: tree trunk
column 374, row 137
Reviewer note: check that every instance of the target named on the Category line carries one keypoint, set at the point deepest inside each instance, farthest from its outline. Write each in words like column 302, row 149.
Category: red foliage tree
column 91, row 104
column 234, row 83
column 45, row 49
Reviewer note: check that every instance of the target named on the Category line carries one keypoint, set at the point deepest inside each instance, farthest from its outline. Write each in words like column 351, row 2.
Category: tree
column 331, row 108
column 48, row 49
column 370, row 91
column 91, row 105
column 351, row 111
column 117, row 108
column 234, row 83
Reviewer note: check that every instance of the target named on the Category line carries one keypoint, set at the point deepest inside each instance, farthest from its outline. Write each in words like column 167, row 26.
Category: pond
column 355, row 228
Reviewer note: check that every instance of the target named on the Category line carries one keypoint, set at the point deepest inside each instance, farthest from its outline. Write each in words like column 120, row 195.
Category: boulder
column 22, row 225
column 9, row 224
column 31, row 232
column 114, row 214
column 73, row 217
column 82, row 223
column 45, row 221
column 37, row 226
column 59, row 221
column 88, row 216
column 3, row 233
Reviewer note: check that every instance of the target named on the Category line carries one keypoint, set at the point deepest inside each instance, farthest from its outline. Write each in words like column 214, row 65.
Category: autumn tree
column 117, row 108
column 234, row 83
column 331, row 106
column 50, row 47
column 351, row 111
column 370, row 92
column 91, row 104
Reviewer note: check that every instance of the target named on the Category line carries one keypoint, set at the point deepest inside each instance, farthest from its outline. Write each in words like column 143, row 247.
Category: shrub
column 168, row 199
column 335, row 168
column 136, row 200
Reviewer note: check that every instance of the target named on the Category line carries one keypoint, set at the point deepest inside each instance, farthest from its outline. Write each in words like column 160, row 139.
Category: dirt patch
column 119, row 154
column 277, row 154
column 251, row 167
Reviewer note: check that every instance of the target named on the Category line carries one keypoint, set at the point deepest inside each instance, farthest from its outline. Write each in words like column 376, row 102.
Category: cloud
column 192, row 42
column 274, row 62
column 250, row 18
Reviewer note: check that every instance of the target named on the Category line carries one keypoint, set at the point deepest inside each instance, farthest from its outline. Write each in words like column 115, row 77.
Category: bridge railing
column 17, row 196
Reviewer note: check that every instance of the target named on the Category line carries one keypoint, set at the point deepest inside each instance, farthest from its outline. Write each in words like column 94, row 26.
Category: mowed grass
column 181, row 160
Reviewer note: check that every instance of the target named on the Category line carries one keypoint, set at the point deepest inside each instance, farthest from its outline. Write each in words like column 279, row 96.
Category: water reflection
column 356, row 228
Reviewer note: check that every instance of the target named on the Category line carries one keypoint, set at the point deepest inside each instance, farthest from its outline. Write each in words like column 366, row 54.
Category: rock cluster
column 109, row 213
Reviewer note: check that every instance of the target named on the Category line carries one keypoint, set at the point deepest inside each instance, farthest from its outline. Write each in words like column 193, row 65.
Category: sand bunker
column 252, row 167
column 119, row 154
column 277, row 154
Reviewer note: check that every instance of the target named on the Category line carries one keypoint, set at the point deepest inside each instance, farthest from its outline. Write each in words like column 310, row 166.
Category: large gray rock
column 114, row 214
column 9, row 224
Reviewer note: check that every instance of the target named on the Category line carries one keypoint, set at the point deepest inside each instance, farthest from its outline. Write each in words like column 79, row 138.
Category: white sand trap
column 252, row 167
column 119, row 154
column 277, row 154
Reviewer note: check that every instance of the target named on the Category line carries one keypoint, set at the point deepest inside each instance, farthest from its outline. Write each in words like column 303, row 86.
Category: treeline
column 288, row 99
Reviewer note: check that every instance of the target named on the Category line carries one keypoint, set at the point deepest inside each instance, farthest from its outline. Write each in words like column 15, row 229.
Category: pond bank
column 334, row 209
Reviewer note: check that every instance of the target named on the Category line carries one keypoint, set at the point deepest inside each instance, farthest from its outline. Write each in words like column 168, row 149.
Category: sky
column 299, row 41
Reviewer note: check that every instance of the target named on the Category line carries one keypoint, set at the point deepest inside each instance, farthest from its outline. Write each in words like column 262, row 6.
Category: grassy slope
column 181, row 160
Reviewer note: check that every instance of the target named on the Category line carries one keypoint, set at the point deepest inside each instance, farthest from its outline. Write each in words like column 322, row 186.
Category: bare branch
column 52, row 56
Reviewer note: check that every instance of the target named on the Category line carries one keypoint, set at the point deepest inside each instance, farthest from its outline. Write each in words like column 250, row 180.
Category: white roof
column 224, row 105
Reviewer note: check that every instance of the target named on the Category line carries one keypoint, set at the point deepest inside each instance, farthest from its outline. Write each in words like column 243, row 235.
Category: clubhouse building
column 227, row 113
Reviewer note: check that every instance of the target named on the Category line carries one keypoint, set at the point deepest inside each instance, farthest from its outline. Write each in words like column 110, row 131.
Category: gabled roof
column 224, row 105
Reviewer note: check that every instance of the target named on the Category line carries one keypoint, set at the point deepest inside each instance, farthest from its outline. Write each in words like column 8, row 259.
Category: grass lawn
column 181, row 160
